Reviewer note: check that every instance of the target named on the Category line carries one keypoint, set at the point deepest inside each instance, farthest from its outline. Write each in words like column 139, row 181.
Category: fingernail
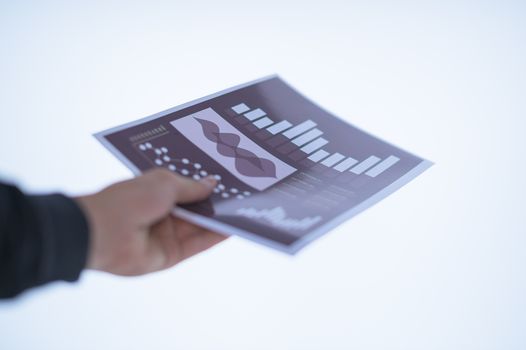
column 208, row 181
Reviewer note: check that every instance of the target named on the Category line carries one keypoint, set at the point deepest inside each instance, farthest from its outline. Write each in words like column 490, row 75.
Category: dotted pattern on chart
column 188, row 168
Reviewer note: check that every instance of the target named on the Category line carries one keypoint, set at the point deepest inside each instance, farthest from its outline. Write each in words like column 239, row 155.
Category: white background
column 438, row 265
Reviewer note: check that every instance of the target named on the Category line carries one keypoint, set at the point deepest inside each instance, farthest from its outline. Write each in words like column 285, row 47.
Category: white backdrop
column 438, row 265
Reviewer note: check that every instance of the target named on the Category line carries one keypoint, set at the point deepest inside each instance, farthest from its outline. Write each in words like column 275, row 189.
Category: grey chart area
column 287, row 171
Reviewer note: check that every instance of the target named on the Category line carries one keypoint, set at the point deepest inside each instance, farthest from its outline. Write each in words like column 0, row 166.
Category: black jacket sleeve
column 42, row 239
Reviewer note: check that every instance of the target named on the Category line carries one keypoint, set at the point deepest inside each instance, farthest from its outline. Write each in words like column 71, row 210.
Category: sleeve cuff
column 65, row 237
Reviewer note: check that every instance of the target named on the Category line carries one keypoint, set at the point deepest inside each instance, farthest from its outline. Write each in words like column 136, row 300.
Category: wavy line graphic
column 246, row 162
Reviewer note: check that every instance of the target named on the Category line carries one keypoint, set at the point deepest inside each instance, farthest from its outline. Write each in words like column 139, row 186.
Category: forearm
column 42, row 239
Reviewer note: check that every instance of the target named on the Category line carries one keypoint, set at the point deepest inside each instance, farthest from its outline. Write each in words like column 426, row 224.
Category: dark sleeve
column 42, row 239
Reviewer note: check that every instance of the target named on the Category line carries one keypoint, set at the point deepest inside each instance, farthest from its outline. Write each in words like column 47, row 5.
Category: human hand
column 132, row 229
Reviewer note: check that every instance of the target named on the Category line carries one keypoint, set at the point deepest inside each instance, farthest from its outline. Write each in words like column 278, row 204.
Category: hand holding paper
column 132, row 229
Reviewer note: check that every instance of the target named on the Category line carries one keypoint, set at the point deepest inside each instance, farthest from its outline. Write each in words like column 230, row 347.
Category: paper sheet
column 287, row 170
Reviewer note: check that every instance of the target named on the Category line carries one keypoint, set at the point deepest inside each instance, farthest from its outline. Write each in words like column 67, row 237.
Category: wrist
column 93, row 260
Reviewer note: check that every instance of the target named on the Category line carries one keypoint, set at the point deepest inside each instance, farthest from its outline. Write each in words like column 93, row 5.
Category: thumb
column 188, row 191
column 166, row 188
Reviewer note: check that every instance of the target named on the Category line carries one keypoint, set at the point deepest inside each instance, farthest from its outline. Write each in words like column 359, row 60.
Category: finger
column 166, row 240
column 164, row 247
column 189, row 191
column 179, row 188
column 176, row 240
column 199, row 242
column 185, row 228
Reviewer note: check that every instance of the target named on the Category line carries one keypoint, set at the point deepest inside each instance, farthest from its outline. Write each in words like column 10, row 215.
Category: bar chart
column 278, row 217
column 308, row 139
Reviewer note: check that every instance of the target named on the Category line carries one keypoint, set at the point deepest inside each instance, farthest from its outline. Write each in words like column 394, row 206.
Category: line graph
column 234, row 151
column 246, row 162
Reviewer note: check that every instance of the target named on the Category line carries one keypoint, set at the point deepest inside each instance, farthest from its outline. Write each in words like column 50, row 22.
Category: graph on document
column 234, row 151
column 306, row 140
column 278, row 217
